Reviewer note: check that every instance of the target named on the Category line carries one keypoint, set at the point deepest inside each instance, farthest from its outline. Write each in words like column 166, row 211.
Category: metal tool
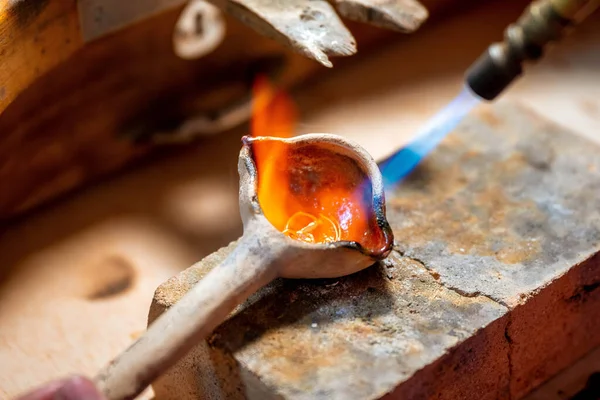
column 312, row 28
column 319, row 161
column 543, row 22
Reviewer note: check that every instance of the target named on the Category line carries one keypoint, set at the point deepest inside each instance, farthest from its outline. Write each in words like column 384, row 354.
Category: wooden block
column 489, row 291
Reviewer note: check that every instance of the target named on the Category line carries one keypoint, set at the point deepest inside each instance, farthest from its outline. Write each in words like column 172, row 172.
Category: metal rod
column 252, row 265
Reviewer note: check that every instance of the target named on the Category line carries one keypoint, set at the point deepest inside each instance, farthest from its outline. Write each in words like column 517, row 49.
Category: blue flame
column 400, row 164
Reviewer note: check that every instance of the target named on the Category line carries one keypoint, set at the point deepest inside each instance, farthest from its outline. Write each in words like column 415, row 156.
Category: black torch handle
column 543, row 22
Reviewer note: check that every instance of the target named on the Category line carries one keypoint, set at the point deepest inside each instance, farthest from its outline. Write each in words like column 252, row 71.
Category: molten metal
column 324, row 228
column 291, row 190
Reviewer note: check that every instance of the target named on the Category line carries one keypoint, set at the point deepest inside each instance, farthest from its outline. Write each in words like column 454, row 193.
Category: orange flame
column 332, row 214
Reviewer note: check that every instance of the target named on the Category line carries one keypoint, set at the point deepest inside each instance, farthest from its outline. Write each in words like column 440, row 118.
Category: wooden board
column 36, row 36
column 67, row 110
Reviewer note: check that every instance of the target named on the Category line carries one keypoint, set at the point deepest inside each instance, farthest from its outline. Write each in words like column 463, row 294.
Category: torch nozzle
column 543, row 22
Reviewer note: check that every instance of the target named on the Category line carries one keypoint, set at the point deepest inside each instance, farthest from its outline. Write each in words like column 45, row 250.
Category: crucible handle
column 251, row 265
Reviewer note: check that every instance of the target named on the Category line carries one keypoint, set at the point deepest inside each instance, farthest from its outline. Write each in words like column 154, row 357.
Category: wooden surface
column 39, row 35
column 78, row 276
column 36, row 36
column 73, row 124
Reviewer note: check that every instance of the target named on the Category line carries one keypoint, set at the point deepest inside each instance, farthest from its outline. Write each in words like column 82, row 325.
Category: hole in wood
column 110, row 277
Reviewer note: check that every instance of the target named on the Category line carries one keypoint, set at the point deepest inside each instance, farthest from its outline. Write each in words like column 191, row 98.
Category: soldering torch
column 543, row 22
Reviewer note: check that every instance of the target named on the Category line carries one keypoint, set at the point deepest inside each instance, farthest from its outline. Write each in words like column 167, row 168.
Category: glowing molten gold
column 325, row 209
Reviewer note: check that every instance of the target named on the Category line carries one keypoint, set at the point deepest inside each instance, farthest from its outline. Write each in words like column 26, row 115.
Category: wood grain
column 72, row 124
column 35, row 36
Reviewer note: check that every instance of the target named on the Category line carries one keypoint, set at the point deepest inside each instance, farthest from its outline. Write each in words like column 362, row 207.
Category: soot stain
column 24, row 11
column 584, row 292
column 111, row 277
